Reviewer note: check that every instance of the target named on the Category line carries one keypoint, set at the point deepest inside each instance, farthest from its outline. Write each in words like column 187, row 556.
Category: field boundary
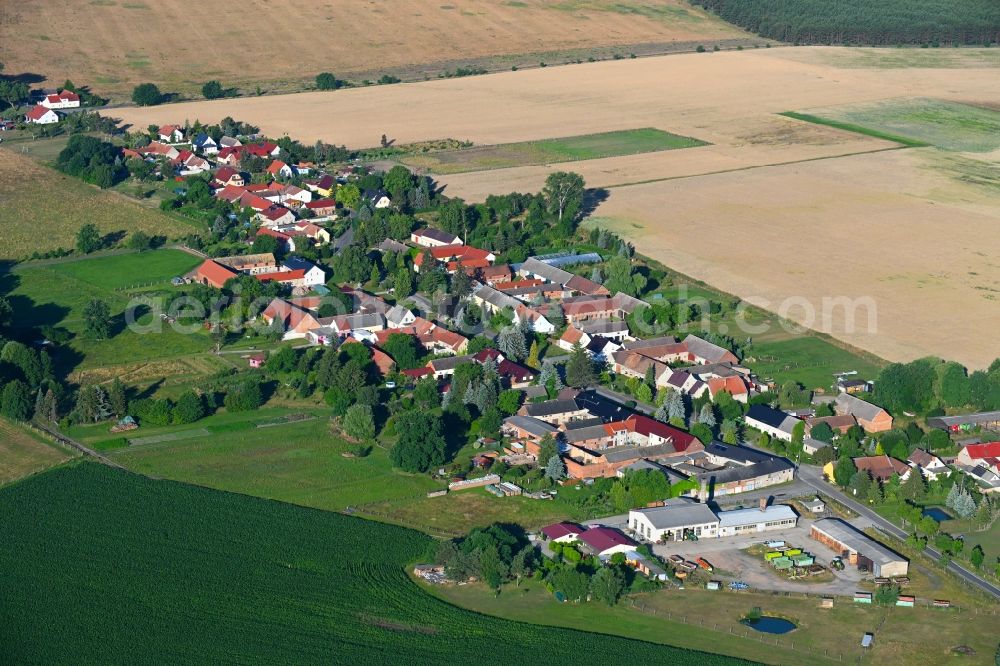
column 857, row 129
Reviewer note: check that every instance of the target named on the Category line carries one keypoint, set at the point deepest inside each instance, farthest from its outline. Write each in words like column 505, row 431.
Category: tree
column 703, row 433
column 14, row 92
column 572, row 582
column 461, row 284
column 327, row 81
column 622, row 277
column 349, row 196
column 146, row 94
column 244, row 397
column 398, row 181
column 563, row 193
column 798, row 433
column 550, row 379
column 15, row 401
column 511, row 343
column 977, row 556
column 580, row 368
column 509, row 401
column 213, row 90
column 117, row 399
column 97, row 319
column 608, row 584
column 822, row 432
column 644, row 393
column 189, row 408
column 547, row 449
column 139, row 240
column 914, row 488
column 532, row 360
column 555, row 469
column 403, row 283
column 707, row 416
column 729, row 432
column 359, row 422
column 844, row 471
column 88, row 239
column 421, row 444
column 860, row 483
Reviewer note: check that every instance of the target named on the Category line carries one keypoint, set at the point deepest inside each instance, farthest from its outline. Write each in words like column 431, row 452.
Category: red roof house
column 606, row 541
column 562, row 531
column 214, row 274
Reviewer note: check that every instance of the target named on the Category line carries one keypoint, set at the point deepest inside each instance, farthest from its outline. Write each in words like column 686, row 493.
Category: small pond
column 937, row 513
column 770, row 625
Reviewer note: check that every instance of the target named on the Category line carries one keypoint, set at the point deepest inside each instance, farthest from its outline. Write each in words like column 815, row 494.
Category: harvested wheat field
column 23, row 453
column 112, row 45
column 854, row 214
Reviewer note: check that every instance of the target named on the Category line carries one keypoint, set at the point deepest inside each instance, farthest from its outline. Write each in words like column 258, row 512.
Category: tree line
column 883, row 23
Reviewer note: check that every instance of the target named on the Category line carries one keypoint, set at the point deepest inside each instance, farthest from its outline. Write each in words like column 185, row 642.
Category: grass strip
column 857, row 129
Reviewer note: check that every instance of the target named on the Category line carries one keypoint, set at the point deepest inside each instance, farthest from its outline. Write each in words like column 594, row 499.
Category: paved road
column 814, row 477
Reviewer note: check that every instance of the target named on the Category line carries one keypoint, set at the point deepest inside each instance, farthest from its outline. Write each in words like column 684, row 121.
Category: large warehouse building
column 682, row 517
column 858, row 548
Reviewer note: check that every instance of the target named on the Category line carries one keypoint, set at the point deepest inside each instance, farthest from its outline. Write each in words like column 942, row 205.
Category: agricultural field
column 550, row 151
column 43, row 209
column 96, row 43
column 55, row 294
column 294, row 585
column 705, row 618
column 771, row 210
column 23, row 452
column 946, row 125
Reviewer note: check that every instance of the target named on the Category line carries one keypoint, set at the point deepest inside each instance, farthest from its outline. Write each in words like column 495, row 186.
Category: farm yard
column 491, row 34
column 281, row 574
column 765, row 182
column 36, row 197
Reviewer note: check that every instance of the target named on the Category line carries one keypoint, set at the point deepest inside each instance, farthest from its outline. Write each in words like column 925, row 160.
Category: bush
column 147, row 94
column 327, row 81
column 213, row 90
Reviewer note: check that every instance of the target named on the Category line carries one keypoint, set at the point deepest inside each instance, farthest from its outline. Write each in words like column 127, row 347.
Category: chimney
column 763, row 504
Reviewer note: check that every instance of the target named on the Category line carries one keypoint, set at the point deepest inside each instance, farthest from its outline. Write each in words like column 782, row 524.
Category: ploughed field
column 105, row 566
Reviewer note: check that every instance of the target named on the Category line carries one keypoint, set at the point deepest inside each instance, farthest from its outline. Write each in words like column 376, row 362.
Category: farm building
column 870, row 417
column 774, row 422
column 747, row 521
column 674, row 520
column 722, row 469
column 858, row 548
column 989, row 420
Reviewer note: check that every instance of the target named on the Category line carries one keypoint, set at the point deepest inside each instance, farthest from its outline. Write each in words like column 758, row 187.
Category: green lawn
column 550, row 151
column 154, row 572
column 56, row 295
column 949, row 126
column 129, row 270
column 807, row 359
column 301, row 463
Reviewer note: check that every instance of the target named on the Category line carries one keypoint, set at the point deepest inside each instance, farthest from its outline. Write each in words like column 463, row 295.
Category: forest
column 862, row 22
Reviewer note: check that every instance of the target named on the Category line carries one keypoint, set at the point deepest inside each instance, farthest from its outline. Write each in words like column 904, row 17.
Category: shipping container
column 772, row 555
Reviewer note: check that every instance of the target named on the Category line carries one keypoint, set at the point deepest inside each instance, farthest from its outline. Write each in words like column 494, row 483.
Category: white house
column 929, row 464
column 170, row 133
column 40, row 115
column 399, row 317
column 434, row 238
column 562, row 532
column 64, row 99
column 313, row 275
column 206, row 144
column 378, row 199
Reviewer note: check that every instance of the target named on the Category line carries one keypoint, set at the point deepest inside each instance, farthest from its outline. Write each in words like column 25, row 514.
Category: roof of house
column 732, row 385
column 559, row 530
column 536, row 267
column 752, row 516
column 987, row 450
column 963, row 419
column 924, row 459
column 857, row 541
column 437, row 235
column 835, row 422
column 321, row 203
column 858, row 408
column 770, row 416
column 737, row 473
column 603, row 327
column 449, row 362
column 551, row 407
column 681, row 514
column 291, row 314
column 531, row 425
column 215, row 273
column 712, row 353
column 38, row 112
column 281, row 276
column 604, row 538
column 881, row 467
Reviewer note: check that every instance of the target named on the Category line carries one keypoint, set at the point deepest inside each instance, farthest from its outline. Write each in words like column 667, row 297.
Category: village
column 704, row 472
